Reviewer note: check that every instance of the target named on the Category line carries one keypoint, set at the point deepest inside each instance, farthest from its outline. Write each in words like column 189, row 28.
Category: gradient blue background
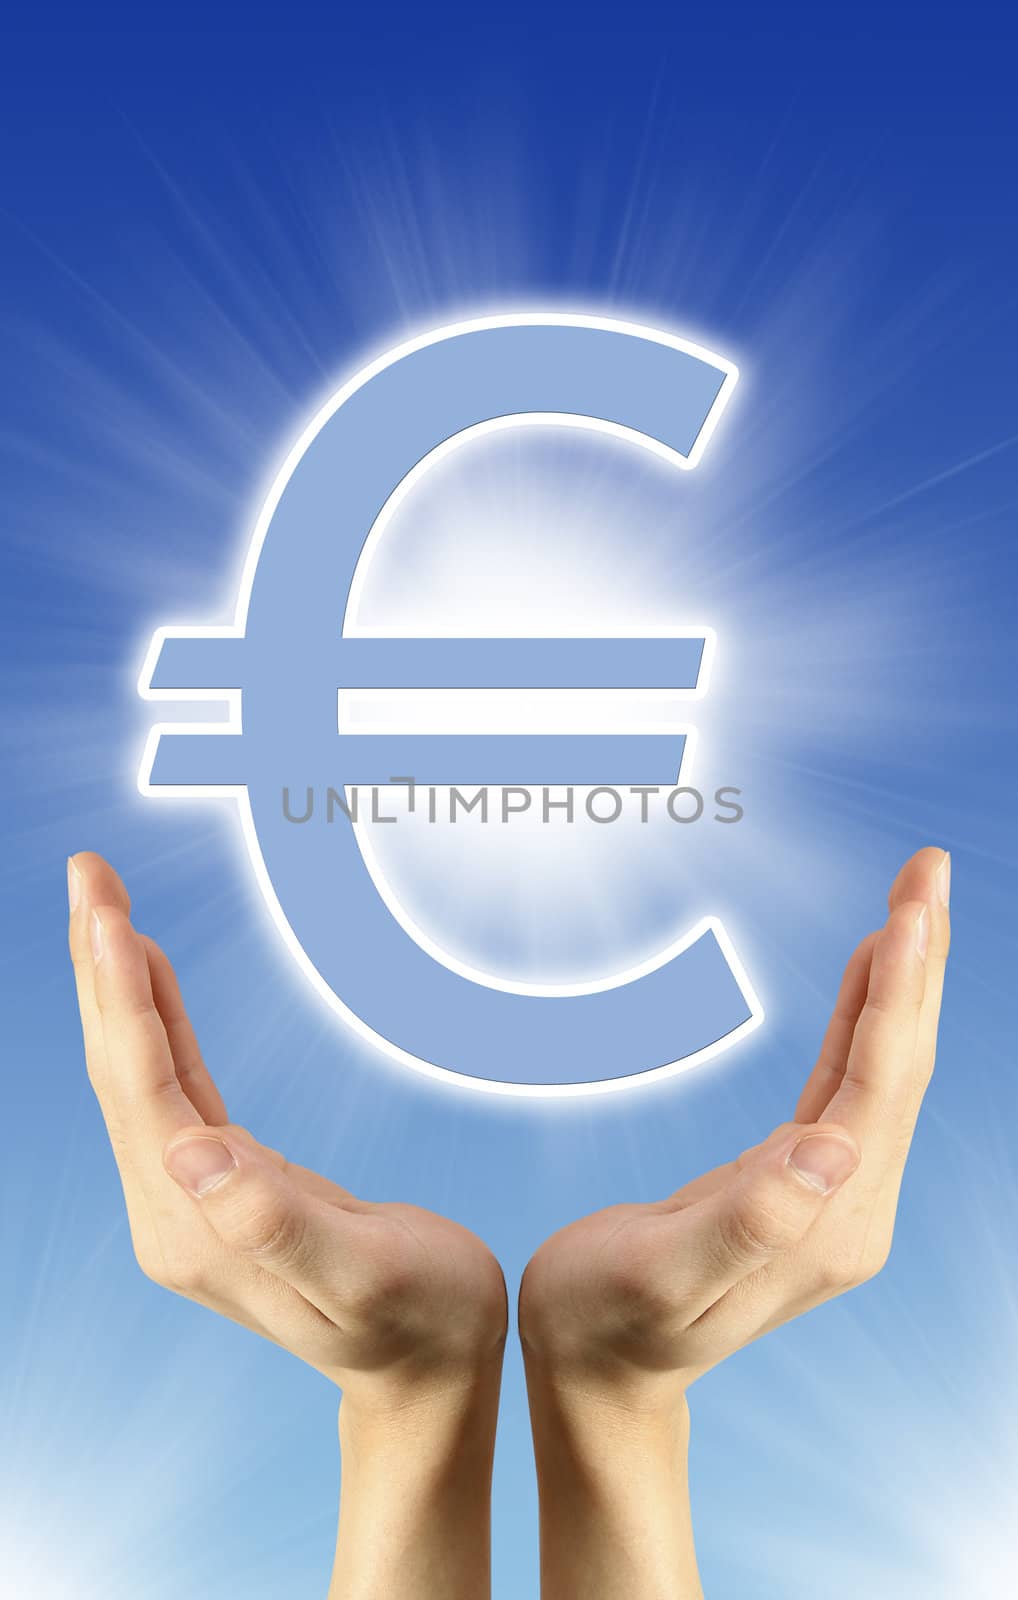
column 201, row 233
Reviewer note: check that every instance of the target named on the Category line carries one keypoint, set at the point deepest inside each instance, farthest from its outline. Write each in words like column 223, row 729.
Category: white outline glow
column 232, row 698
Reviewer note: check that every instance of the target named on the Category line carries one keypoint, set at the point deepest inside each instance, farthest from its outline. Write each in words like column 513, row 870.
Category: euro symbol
column 289, row 651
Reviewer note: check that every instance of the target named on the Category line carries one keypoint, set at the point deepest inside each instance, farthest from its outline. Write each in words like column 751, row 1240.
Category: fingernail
column 823, row 1162
column 97, row 937
column 944, row 880
column 73, row 884
column 922, row 933
column 199, row 1164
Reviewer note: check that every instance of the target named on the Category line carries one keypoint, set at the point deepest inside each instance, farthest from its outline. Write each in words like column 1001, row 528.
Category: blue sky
column 202, row 234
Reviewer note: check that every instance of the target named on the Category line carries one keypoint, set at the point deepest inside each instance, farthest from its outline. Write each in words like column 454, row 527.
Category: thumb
column 764, row 1209
column 257, row 1209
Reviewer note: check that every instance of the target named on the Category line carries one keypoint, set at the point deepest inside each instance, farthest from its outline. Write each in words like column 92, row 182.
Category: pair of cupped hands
column 403, row 1308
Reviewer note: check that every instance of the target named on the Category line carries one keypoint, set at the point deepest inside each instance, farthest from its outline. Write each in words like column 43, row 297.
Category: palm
column 675, row 1286
column 348, row 1285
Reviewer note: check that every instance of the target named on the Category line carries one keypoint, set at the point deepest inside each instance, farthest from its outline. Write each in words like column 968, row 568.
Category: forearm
column 614, row 1497
column 415, row 1504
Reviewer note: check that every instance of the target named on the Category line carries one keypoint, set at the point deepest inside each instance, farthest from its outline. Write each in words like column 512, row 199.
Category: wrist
column 614, row 1489
column 584, row 1413
column 378, row 1412
column 598, row 1376
column 416, row 1487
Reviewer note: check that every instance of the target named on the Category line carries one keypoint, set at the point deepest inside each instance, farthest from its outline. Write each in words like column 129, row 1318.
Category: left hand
column 384, row 1299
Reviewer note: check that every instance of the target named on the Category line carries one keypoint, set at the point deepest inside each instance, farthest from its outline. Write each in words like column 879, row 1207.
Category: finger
column 262, row 1214
column 88, row 875
column 90, row 881
column 825, row 1079
column 760, row 1214
column 928, row 877
column 97, row 881
column 875, row 1088
column 918, row 878
column 192, row 1074
column 150, row 1104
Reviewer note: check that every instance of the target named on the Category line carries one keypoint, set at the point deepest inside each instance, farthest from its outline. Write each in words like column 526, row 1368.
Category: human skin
column 406, row 1312
column 622, row 1311
column 403, row 1310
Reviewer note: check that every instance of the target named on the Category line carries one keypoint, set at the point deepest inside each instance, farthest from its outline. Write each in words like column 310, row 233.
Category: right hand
column 635, row 1302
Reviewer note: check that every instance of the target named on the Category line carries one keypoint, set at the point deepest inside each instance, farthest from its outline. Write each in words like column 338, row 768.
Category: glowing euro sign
column 284, row 659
